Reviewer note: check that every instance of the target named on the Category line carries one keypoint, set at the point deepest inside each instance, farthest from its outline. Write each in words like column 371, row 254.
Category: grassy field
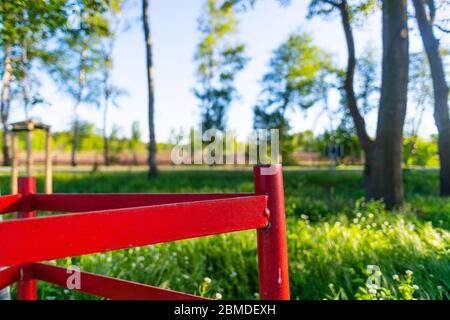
column 333, row 236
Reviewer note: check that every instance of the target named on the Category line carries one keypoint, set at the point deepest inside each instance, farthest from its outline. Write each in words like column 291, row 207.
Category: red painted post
column 26, row 288
column 272, row 244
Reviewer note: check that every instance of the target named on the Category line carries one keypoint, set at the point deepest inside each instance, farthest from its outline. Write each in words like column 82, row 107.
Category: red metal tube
column 104, row 201
column 9, row 203
column 272, row 244
column 26, row 287
column 110, row 288
column 9, row 276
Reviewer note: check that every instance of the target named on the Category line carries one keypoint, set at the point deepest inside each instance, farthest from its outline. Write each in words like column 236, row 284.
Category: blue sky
column 175, row 36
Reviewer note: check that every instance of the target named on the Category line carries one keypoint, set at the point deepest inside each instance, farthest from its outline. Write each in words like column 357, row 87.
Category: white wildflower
column 207, row 280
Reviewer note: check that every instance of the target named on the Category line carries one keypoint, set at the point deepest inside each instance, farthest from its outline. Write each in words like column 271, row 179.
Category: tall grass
column 333, row 237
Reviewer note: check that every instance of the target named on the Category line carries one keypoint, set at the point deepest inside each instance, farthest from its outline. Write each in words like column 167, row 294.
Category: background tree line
column 296, row 73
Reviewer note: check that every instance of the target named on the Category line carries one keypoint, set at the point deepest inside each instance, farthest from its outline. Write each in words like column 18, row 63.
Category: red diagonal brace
column 106, row 287
column 9, row 203
column 9, row 276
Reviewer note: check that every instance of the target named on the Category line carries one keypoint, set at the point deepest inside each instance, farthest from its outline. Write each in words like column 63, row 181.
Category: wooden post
column 29, row 153
column 48, row 163
column 14, row 164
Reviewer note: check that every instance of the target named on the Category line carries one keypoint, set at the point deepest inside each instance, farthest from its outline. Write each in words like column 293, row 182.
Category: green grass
column 333, row 236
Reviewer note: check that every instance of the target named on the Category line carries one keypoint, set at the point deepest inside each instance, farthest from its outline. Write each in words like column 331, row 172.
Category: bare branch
column 442, row 29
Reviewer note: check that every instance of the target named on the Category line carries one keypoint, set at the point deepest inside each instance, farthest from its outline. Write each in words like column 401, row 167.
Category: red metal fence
column 103, row 222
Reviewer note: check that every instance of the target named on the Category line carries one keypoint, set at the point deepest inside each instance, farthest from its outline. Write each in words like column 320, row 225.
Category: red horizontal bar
column 9, row 276
column 44, row 238
column 103, row 201
column 9, row 203
column 107, row 287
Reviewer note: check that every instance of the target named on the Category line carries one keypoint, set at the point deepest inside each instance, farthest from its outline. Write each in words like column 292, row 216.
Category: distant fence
column 163, row 158
column 91, row 158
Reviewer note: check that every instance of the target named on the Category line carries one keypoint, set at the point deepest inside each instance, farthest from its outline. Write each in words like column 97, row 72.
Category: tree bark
column 386, row 180
column 105, row 135
column 440, row 88
column 75, row 138
column 26, row 98
column 76, row 124
column 6, row 79
column 366, row 143
column 105, row 111
column 151, row 126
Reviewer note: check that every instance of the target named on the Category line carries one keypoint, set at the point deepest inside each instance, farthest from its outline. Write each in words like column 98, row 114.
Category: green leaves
column 28, row 19
column 218, row 60
column 300, row 76
column 358, row 10
column 52, row 35
column 297, row 69
column 81, row 50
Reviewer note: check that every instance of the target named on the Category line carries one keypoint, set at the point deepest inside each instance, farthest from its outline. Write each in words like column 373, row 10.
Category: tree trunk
column 440, row 88
column 6, row 79
column 76, row 124
column 386, row 178
column 105, row 113
column 26, row 98
column 75, row 138
column 151, row 126
column 444, row 158
column 366, row 143
column 105, row 135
